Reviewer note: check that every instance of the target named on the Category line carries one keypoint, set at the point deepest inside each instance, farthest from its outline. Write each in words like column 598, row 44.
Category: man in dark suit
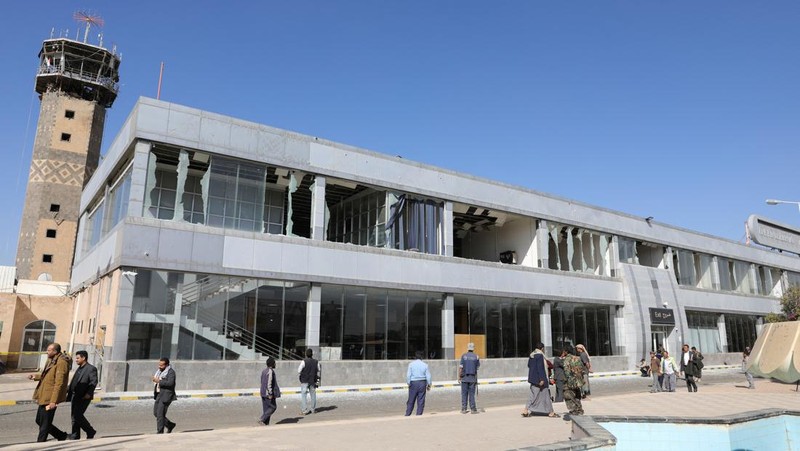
column 164, row 394
column 80, row 393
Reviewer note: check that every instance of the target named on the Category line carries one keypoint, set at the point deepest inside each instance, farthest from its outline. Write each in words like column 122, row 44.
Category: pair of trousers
column 44, row 418
column 750, row 383
column 268, row 407
column 416, row 395
column 160, row 412
column 468, row 392
column 656, row 383
column 304, row 389
column 669, row 382
column 690, row 383
column 79, row 421
column 572, row 396
column 587, row 388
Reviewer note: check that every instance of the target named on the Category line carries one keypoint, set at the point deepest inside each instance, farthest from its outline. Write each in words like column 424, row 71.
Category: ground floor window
column 507, row 327
column 741, row 331
column 703, row 331
column 377, row 324
column 148, row 341
column 585, row 324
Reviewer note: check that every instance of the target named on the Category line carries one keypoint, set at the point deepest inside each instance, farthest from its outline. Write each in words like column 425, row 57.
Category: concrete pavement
column 496, row 428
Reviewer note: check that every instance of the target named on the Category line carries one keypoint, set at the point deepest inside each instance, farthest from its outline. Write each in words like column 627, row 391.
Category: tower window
column 55, row 208
column 66, row 137
column 69, row 114
column 51, row 233
column 47, row 258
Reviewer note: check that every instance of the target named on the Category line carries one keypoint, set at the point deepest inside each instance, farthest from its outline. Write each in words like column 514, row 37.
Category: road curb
column 360, row 389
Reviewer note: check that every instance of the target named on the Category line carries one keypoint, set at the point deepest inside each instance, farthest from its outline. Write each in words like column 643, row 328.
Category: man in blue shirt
column 468, row 378
column 418, row 379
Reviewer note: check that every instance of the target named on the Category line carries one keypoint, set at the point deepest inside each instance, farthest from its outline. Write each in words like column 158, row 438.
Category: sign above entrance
column 776, row 235
column 662, row 317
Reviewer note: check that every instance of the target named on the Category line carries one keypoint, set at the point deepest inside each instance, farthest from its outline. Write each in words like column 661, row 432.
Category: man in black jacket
column 81, row 392
column 310, row 375
column 164, row 394
column 689, row 368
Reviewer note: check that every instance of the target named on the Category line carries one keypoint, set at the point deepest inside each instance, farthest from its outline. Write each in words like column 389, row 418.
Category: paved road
column 125, row 418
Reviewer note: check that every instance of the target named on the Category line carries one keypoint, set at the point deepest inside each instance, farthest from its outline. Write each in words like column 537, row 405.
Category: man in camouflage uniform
column 574, row 369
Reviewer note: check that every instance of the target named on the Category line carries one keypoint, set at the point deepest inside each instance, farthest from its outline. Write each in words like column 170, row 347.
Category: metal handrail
column 82, row 75
column 245, row 337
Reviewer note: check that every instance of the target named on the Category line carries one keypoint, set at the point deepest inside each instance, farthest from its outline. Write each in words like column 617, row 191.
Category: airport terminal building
column 217, row 242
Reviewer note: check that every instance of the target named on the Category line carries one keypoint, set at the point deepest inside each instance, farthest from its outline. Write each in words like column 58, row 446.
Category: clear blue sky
column 688, row 111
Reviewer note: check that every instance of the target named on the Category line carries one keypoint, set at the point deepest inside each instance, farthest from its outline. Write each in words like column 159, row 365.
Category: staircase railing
column 245, row 337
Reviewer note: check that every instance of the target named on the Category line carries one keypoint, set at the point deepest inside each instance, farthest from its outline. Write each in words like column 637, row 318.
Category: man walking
column 310, row 374
column 574, row 370
column 164, row 394
column 746, row 368
column 418, row 378
column 468, row 378
column 669, row 369
column 689, row 368
column 50, row 391
column 655, row 371
column 81, row 392
column 539, row 403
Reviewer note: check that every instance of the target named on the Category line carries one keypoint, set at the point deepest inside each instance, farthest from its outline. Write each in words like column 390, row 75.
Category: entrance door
column 659, row 340
column 35, row 339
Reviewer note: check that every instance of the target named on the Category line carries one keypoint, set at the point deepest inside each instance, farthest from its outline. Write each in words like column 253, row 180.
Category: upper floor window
column 69, row 114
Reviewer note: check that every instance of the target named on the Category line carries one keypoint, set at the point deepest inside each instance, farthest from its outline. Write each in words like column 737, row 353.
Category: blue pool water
column 779, row 433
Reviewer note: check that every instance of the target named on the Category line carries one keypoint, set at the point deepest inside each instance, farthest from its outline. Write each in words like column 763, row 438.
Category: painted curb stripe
column 330, row 390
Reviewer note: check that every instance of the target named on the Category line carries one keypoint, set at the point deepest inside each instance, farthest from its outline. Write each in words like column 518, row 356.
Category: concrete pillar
column 313, row 318
column 546, row 327
column 542, row 246
column 318, row 210
column 447, row 226
column 715, row 280
column 723, row 333
column 122, row 319
column 618, row 330
column 176, row 323
column 448, row 328
column 613, row 256
column 759, row 326
column 753, row 279
column 669, row 261
column 141, row 157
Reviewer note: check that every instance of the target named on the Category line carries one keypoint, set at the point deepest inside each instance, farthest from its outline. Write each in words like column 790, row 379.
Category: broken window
column 491, row 235
column 118, row 200
column 578, row 249
column 415, row 224
column 627, row 250
column 94, row 220
column 224, row 192
column 684, row 269
column 359, row 219
column 702, row 268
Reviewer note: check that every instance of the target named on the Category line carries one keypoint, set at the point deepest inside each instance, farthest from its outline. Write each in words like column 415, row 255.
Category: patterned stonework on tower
column 76, row 82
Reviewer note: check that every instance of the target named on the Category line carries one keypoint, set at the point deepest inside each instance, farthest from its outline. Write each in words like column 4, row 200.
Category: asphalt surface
column 126, row 418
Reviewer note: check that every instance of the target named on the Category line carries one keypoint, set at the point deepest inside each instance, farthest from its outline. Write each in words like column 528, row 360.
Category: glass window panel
column 416, row 323
column 396, row 347
column 331, row 316
column 354, row 309
column 493, row 331
column 523, row 327
column 375, row 336
column 509, row 331
column 434, row 304
column 294, row 317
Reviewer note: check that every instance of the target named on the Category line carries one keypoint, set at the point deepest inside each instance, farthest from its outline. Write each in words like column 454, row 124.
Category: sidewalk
column 497, row 428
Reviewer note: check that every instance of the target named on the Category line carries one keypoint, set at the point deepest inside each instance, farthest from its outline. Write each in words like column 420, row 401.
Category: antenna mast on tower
column 89, row 19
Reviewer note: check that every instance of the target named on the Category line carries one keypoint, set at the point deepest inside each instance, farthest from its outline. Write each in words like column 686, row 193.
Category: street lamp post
column 776, row 202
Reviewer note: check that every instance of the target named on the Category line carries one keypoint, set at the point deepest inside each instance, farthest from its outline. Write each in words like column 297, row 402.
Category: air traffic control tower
column 76, row 82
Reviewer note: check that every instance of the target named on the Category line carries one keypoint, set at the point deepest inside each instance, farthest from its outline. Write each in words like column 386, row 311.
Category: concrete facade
column 629, row 291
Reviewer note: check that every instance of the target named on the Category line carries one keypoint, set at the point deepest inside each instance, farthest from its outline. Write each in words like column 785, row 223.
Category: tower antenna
column 89, row 19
